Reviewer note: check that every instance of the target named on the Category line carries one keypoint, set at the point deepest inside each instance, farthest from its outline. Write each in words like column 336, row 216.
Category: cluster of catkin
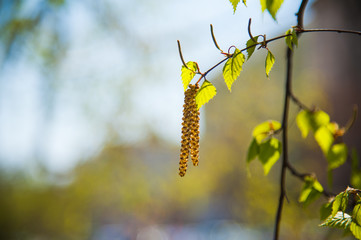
column 190, row 130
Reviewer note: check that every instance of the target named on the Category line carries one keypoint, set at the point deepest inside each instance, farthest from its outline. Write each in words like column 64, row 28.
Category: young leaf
column 324, row 139
column 326, row 210
column 188, row 74
column 270, row 60
column 340, row 220
column 233, row 68
column 340, row 202
column 272, row 6
column 205, row 93
column 356, row 214
column 292, row 39
column 269, row 153
column 250, row 50
column 265, row 129
column 253, row 150
column 319, row 118
column 307, row 121
column 311, row 190
column 235, row 4
column 303, row 122
column 356, row 230
column 337, row 155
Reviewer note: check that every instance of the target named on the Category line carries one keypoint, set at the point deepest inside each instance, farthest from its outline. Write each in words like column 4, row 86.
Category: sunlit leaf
column 326, row 210
column 337, row 155
column 340, row 202
column 272, row 6
column 333, row 127
column 270, row 60
column 303, row 122
column 205, row 93
column 340, row 220
column 188, row 74
column 324, row 139
column 307, row 121
column 291, row 39
column 235, row 4
column 233, row 67
column 253, row 150
column 319, row 118
column 311, row 190
column 250, row 50
column 265, row 129
column 269, row 153
column 356, row 214
column 356, row 230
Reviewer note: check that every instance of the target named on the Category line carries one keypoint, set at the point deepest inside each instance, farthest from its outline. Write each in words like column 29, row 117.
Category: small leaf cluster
column 272, row 6
column 291, row 38
column 206, row 92
column 264, row 145
column 311, row 190
column 327, row 134
column 345, row 212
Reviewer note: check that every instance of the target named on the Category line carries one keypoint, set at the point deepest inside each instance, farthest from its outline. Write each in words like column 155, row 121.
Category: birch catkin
column 190, row 130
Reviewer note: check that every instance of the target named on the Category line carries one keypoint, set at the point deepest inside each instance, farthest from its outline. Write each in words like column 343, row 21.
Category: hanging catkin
column 190, row 130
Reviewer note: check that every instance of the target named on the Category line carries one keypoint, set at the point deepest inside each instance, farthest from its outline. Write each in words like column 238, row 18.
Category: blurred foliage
column 135, row 186
column 132, row 187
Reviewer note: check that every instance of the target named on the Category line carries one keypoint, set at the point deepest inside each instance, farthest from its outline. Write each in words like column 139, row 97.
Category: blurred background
column 90, row 118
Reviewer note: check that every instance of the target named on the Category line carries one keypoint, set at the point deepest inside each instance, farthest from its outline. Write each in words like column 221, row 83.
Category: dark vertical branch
column 288, row 95
column 284, row 143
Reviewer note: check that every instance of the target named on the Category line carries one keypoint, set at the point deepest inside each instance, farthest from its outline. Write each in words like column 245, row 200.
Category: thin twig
column 302, row 177
column 288, row 93
column 298, row 102
column 353, row 119
column 214, row 39
column 249, row 30
column 181, row 55
column 330, row 30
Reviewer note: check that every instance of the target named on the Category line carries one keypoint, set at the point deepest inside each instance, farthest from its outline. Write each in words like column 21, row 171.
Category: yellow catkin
column 190, row 130
column 194, row 131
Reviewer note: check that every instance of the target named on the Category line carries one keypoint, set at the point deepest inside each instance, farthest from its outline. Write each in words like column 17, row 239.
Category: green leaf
column 265, row 129
column 307, row 121
column 356, row 230
column 253, row 150
column 269, row 153
column 340, row 220
column 324, row 139
column 188, row 74
column 292, row 39
column 270, row 60
column 356, row 214
column 303, row 122
column 337, row 155
column 326, row 210
column 205, row 93
column 233, row 67
column 235, row 4
column 311, row 190
column 250, row 50
column 272, row 6
column 319, row 118
column 340, row 202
